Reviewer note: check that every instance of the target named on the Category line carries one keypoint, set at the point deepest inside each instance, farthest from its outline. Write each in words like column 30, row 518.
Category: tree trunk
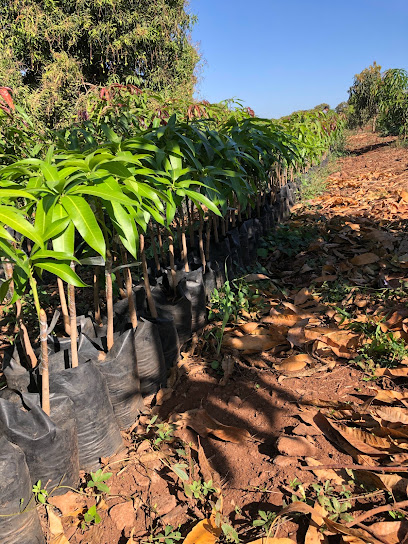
column 73, row 324
column 45, row 377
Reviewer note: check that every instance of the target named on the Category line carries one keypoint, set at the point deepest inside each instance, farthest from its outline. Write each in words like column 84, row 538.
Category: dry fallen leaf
column 398, row 372
column 364, row 441
column 203, row 424
column 272, row 540
column 69, row 503
column 294, row 362
column 324, row 474
column 56, row 529
column 393, row 414
column 208, row 472
column 314, row 534
column 389, row 396
column 255, row 344
column 205, row 532
column 364, row 259
column 393, row 531
column 302, row 295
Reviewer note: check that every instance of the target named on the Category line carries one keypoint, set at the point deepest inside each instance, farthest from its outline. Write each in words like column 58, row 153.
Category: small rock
column 123, row 515
column 234, row 401
column 295, row 446
column 164, row 504
column 305, row 430
column 284, row 461
column 176, row 517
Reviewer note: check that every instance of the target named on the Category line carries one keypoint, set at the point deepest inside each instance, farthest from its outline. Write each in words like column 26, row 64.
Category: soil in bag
column 235, row 245
column 120, row 370
column 169, row 340
column 15, row 495
column 49, row 443
column 150, row 358
column 118, row 366
column 121, row 307
column 244, row 243
column 178, row 309
column 98, row 431
column 192, row 287
column 18, row 376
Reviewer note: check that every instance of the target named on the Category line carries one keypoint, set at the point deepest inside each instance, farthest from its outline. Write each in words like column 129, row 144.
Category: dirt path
column 334, row 317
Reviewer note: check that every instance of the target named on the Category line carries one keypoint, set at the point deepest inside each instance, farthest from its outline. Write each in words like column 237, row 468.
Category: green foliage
column 163, row 431
column 394, row 103
column 382, row 98
column 40, row 494
column 290, row 241
column 265, row 521
column 51, row 51
column 98, row 480
column 169, row 536
column 364, row 96
column 91, row 517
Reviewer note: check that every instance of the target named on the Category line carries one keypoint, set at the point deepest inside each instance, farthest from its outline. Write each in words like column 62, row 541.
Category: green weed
column 289, row 240
column 91, row 517
column 98, row 480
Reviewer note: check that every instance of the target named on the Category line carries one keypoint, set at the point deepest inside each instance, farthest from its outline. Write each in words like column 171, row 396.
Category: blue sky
column 279, row 56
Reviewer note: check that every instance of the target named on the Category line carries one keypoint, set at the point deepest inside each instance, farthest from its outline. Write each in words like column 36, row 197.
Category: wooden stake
column 97, row 307
column 190, row 212
column 223, row 229
column 159, row 239
column 216, row 237
column 109, row 300
column 64, row 307
column 184, row 243
column 24, row 338
column 153, row 243
column 45, row 390
column 180, row 242
column 119, row 280
column 172, row 267
column 129, row 291
column 200, row 243
column 73, row 323
column 208, row 239
column 22, row 329
column 149, row 296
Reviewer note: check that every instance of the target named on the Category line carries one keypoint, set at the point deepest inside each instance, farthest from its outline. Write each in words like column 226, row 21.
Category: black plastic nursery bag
column 15, row 486
column 98, row 432
column 49, row 443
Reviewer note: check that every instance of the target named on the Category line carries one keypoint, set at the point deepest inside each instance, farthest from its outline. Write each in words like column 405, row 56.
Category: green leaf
column 116, row 168
column 84, row 220
column 199, row 198
column 102, row 190
column 4, row 287
column 44, row 254
column 50, row 174
column 178, row 469
column 56, row 228
column 16, row 221
column 15, row 193
column 125, row 226
column 63, row 241
column 6, row 235
column 63, row 271
column 102, row 487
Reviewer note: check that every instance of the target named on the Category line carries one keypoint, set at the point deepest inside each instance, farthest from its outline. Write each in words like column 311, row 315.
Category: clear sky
column 279, row 56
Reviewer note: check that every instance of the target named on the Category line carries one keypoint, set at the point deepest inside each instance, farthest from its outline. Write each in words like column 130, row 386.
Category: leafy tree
column 364, row 96
column 393, row 105
column 51, row 49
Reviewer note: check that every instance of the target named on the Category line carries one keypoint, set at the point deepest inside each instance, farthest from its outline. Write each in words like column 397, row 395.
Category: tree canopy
column 54, row 47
